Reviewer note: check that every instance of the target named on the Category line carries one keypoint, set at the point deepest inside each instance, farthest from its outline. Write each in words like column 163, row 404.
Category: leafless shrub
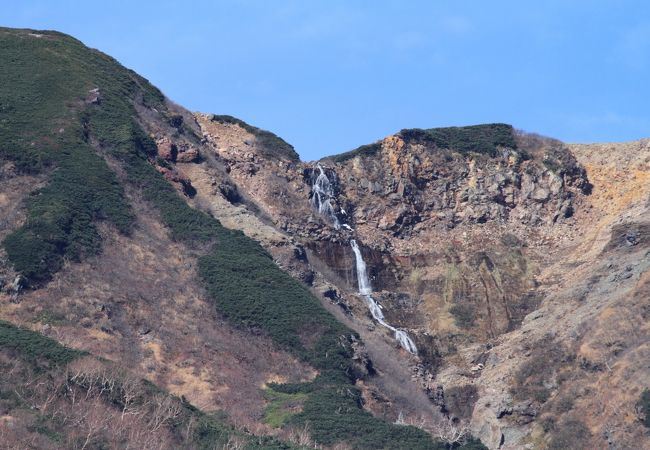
column 452, row 432
column 234, row 443
column 302, row 436
column 165, row 409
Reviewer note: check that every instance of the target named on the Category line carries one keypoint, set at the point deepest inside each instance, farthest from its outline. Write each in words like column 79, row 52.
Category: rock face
column 496, row 262
column 517, row 264
column 455, row 232
column 408, row 187
column 176, row 150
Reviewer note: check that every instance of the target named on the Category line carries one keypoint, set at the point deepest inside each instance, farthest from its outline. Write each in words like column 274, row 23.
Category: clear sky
column 330, row 75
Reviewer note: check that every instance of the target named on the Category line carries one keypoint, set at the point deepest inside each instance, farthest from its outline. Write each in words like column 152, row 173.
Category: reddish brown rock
column 187, row 155
column 166, row 149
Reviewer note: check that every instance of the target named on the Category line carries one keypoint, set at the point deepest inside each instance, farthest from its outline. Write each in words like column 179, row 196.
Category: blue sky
column 331, row 75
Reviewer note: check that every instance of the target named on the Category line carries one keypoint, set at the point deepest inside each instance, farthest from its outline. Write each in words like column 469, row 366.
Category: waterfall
column 322, row 194
column 365, row 289
column 362, row 273
column 321, row 199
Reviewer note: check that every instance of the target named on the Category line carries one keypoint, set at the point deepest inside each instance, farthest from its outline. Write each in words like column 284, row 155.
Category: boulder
column 540, row 194
column 166, row 150
column 188, row 155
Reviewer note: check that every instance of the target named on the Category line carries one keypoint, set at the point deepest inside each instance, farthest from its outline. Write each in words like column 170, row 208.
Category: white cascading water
column 375, row 308
column 321, row 200
column 322, row 194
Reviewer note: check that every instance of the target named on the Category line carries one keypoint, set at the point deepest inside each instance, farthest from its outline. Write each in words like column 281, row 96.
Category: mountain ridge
column 510, row 254
column 507, row 266
column 102, row 110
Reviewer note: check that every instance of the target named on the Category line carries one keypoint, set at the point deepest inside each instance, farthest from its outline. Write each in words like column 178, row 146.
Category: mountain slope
column 508, row 263
column 107, row 257
column 200, row 253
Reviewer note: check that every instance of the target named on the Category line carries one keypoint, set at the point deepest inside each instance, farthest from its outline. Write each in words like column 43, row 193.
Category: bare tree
column 452, row 432
column 94, row 420
column 234, row 443
column 302, row 437
column 131, row 389
column 165, row 409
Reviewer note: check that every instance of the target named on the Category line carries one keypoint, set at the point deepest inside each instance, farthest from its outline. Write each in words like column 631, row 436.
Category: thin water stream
column 322, row 195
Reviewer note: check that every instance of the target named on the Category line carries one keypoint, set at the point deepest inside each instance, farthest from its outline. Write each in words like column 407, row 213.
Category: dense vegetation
column 272, row 144
column 34, row 347
column 48, row 80
column 335, row 412
column 43, row 128
column 486, row 139
column 363, row 150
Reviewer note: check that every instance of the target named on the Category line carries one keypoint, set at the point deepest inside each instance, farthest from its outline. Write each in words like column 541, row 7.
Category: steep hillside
column 103, row 252
column 507, row 257
column 188, row 272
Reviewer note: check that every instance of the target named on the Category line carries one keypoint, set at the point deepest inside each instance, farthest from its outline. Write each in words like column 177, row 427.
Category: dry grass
column 139, row 303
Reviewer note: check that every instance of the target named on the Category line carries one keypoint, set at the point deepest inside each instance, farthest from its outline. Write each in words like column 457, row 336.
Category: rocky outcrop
column 408, row 186
column 476, row 255
column 175, row 175
column 518, row 265
column 179, row 151
column 451, row 228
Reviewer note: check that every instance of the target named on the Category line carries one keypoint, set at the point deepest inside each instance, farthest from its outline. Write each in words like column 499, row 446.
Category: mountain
column 172, row 279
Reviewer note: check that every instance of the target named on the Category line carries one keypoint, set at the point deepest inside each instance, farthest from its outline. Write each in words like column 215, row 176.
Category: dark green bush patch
column 363, row 150
column 486, row 139
column 335, row 414
column 44, row 126
column 38, row 350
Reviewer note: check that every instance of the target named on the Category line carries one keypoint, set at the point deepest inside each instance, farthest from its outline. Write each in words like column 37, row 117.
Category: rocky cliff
column 517, row 264
column 492, row 252
column 129, row 315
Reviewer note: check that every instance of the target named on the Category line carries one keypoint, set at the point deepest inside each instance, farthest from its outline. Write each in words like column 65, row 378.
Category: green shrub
column 363, row 150
column 33, row 347
column 484, row 139
column 43, row 426
column 176, row 121
column 464, row 314
column 249, row 288
column 211, row 432
column 61, row 215
column 335, row 414
column 44, row 126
